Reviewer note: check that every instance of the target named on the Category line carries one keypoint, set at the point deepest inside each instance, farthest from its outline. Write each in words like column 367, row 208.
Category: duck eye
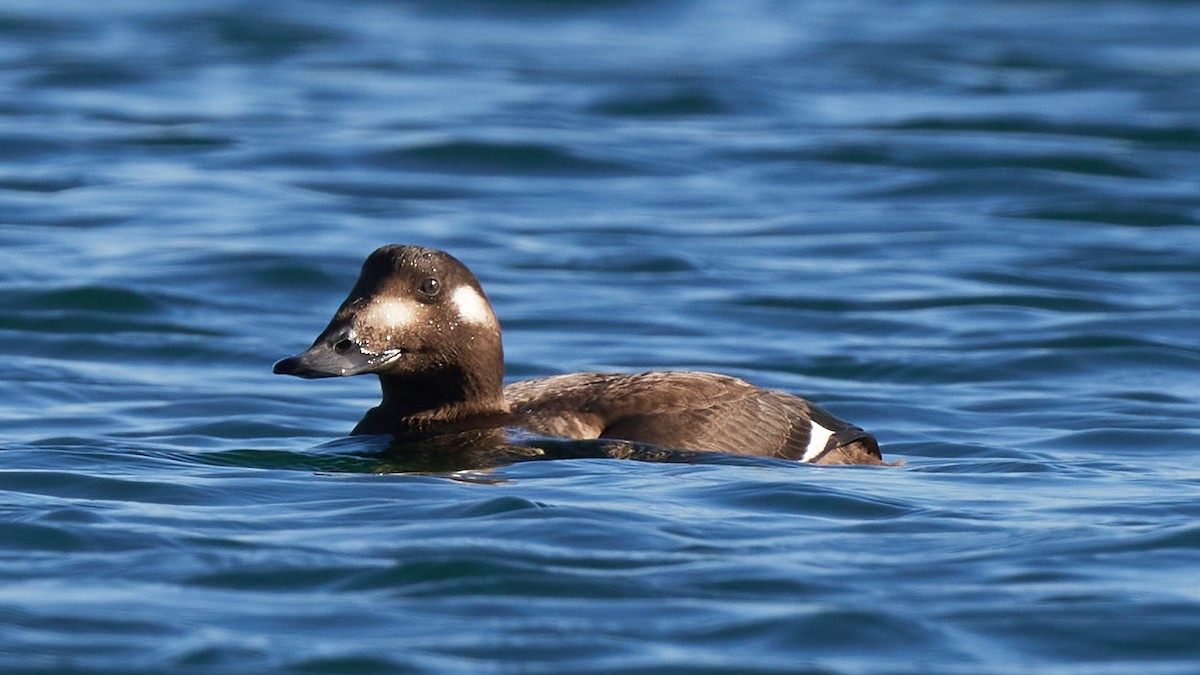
column 430, row 286
column 342, row 346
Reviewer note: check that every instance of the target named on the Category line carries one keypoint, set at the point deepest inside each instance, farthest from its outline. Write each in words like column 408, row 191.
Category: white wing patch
column 471, row 306
column 818, row 438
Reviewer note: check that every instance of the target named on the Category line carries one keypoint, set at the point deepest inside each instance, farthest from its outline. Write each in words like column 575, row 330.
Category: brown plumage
column 419, row 319
column 688, row 410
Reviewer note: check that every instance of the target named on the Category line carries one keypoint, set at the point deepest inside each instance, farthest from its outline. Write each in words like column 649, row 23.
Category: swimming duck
column 419, row 319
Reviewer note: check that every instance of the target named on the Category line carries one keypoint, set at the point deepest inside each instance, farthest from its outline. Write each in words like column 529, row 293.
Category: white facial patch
column 391, row 313
column 472, row 308
column 818, row 438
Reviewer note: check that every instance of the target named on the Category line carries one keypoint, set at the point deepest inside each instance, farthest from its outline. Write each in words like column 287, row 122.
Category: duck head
column 418, row 318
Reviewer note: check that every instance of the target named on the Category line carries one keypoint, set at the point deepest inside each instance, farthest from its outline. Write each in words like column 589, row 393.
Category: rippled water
column 972, row 231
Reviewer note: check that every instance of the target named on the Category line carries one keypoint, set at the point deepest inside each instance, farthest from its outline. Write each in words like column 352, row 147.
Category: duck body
column 419, row 319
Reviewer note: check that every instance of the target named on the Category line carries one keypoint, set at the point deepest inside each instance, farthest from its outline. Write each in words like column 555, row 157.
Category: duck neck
column 450, row 398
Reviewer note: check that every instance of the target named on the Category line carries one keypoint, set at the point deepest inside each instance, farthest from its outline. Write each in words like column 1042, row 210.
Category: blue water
column 974, row 231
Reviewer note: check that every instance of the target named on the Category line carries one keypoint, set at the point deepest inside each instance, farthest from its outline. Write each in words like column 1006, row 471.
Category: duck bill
column 322, row 361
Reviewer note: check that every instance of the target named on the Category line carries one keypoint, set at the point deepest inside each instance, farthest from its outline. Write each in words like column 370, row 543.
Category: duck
column 419, row 319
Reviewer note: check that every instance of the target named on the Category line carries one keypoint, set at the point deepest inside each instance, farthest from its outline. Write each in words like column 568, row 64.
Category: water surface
column 973, row 233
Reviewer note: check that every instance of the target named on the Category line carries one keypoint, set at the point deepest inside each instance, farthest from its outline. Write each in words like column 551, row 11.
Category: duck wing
column 688, row 410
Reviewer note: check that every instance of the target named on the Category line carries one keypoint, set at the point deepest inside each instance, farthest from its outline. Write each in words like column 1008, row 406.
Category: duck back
column 688, row 410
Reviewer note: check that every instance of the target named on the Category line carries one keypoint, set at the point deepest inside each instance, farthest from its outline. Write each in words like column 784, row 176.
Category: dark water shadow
column 472, row 452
